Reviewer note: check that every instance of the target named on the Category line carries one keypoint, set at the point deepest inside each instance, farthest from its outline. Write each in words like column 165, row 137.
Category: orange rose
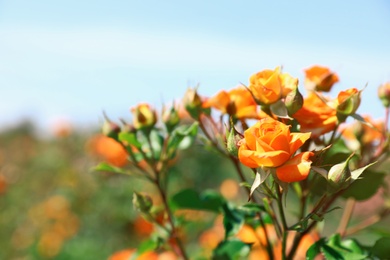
column 237, row 102
column 269, row 143
column 320, row 78
column 269, row 86
column 316, row 116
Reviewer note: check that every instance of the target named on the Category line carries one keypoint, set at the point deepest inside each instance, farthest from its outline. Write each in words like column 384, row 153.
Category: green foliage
column 231, row 250
column 190, row 199
column 336, row 249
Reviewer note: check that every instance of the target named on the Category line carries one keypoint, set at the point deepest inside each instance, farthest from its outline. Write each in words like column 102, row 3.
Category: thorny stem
column 347, row 214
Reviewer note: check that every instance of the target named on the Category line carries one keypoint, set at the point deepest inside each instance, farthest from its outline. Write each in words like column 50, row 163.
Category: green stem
column 174, row 235
column 284, row 243
column 281, row 209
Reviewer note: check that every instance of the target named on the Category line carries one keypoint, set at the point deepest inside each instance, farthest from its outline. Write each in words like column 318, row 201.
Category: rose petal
column 297, row 140
column 295, row 169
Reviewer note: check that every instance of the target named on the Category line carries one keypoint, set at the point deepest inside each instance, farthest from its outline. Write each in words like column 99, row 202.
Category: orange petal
column 297, row 140
column 245, row 157
column 219, row 101
column 270, row 159
column 295, row 169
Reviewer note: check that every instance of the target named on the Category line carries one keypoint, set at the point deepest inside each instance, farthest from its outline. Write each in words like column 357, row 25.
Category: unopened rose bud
column 142, row 203
column 171, row 118
column 232, row 142
column 144, row 117
column 293, row 101
column 193, row 103
column 348, row 103
column 384, row 94
column 110, row 128
column 339, row 176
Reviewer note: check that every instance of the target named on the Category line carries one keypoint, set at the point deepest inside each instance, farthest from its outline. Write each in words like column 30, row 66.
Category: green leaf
column 231, row 250
column 355, row 174
column 279, row 109
column 366, row 187
column 106, row 167
column 337, row 153
column 156, row 141
column 190, row 199
column 361, row 119
column 260, row 177
column 130, row 139
column 315, row 249
column 381, row 248
column 233, row 219
column 148, row 245
column 182, row 138
column 335, row 249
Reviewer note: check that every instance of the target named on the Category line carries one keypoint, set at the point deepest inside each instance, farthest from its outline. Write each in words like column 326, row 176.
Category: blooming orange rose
column 269, row 86
column 320, row 78
column 237, row 102
column 269, row 143
column 316, row 116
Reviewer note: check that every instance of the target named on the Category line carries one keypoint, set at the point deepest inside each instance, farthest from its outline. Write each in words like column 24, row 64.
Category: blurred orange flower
column 320, row 78
column 269, row 143
column 358, row 133
column 316, row 116
column 269, row 86
column 109, row 149
column 257, row 238
column 127, row 254
column 237, row 102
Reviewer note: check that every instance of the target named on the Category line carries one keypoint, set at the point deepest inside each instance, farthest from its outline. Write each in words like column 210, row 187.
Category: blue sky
column 74, row 59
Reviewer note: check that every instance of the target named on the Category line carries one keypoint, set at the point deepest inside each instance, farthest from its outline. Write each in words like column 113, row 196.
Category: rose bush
column 295, row 146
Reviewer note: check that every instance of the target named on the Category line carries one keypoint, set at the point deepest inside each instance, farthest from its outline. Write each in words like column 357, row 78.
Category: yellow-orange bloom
column 316, row 116
column 320, row 78
column 269, row 143
column 269, row 86
column 237, row 102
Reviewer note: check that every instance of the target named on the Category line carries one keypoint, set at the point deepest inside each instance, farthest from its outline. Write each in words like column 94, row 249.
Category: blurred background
column 63, row 63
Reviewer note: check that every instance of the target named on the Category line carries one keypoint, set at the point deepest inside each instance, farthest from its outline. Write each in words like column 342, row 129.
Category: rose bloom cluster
column 286, row 120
